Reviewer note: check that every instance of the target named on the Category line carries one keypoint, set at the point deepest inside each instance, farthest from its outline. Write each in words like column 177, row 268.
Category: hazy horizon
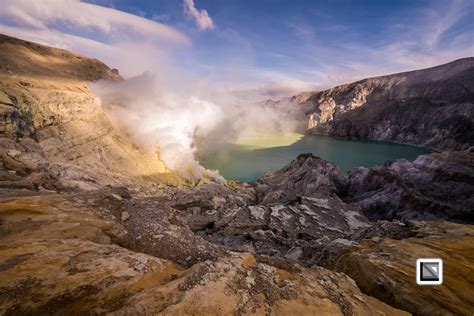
column 252, row 50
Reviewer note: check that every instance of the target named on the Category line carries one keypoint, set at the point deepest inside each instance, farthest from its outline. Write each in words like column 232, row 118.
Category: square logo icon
column 429, row 271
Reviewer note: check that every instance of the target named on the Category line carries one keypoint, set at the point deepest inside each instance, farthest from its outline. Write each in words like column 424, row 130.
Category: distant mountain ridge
column 27, row 58
column 432, row 107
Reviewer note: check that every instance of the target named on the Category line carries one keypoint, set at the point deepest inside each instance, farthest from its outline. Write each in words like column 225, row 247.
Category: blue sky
column 259, row 48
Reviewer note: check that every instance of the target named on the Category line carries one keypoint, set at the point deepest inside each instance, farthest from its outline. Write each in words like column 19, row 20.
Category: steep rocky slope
column 52, row 126
column 432, row 107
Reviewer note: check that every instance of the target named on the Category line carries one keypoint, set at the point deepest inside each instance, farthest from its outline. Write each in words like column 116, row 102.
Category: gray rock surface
column 432, row 107
column 435, row 186
column 284, row 214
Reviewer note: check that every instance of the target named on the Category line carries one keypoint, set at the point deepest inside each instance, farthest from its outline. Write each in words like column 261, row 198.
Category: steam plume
column 178, row 124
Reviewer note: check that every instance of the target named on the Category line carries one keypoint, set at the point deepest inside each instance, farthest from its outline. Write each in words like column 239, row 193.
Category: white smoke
column 201, row 17
column 191, row 106
column 178, row 124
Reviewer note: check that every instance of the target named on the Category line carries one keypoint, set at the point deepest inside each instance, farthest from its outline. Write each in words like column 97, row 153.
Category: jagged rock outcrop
column 432, row 107
column 289, row 214
column 435, row 186
column 296, row 215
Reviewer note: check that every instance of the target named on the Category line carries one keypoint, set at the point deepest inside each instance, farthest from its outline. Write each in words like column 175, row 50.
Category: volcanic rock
column 432, row 107
column 50, row 118
column 386, row 269
column 435, row 186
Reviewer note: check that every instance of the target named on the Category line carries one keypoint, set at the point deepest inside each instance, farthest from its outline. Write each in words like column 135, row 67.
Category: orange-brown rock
column 386, row 269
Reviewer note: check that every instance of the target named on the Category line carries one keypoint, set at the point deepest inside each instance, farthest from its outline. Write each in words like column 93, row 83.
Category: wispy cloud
column 441, row 19
column 258, row 60
column 122, row 40
column 201, row 17
column 73, row 14
column 422, row 37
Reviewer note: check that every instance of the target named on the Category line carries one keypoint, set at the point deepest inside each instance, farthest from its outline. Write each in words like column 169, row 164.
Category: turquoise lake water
column 247, row 163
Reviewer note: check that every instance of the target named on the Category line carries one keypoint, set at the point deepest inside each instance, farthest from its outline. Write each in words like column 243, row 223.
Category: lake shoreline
column 246, row 163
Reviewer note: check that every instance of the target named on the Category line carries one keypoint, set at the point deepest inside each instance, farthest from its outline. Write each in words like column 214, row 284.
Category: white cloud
column 125, row 41
column 202, row 19
column 422, row 37
column 73, row 14
column 61, row 40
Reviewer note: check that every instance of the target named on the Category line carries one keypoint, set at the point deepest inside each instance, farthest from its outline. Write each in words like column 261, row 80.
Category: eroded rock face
column 432, row 107
column 385, row 268
column 435, row 186
column 56, row 128
column 292, row 214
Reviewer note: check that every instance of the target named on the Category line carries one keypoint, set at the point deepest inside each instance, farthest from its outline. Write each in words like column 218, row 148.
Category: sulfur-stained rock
column 386, row 269
column 50, row 116
column 53, row 260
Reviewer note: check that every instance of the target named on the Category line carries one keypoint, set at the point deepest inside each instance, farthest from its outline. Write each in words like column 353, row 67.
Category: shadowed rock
column 435, row 186
column 432, row 107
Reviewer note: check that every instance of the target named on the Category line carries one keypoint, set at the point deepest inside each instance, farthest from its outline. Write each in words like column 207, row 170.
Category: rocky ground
column 273, row 246
column 90, row 224
column 81, row 253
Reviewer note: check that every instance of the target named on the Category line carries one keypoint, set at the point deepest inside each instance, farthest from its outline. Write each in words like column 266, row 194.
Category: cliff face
column 432, row 107
column 53, row 129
